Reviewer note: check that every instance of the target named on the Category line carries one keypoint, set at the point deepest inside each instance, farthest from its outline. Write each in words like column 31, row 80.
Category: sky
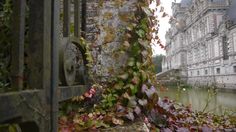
column 164, row 25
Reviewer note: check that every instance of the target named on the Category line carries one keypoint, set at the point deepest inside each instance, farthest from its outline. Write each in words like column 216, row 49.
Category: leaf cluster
column 5, row 42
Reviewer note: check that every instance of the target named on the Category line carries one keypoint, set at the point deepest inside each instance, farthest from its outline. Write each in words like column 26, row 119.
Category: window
column 206, row 72
column 218, row 70
column 225, row 48
column 234, row 69
column 198, row 73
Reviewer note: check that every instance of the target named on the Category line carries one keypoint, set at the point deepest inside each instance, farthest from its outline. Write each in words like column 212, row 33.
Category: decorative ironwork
column 35, row 109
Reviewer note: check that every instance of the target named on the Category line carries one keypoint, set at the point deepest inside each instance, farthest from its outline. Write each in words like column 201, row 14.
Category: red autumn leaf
column 88, row 95
column 137, row 110
column 158, row 2
column 92, row 91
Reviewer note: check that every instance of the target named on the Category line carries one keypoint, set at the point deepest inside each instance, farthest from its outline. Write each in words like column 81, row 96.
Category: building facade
column 201, row 42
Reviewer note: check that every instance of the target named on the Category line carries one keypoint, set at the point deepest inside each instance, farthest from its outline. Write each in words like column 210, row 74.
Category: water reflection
column 216, row 101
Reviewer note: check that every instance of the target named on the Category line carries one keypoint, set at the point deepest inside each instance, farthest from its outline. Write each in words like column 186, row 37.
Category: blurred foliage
column 10, row 128
column 5, row 41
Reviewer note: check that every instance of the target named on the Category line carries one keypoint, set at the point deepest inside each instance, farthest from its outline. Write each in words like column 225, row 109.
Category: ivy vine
column 133, row 93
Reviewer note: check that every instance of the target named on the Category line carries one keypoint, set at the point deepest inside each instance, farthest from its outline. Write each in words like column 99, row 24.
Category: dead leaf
column 117, row 121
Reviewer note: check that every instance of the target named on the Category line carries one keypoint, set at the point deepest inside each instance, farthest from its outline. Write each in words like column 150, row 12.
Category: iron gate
column 54, row 59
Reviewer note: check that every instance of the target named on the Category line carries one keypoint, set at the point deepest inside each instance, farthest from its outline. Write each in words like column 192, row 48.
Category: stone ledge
column 138, row 126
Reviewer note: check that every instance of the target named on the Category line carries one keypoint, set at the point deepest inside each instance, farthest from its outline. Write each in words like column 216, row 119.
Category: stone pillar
column 106, row 25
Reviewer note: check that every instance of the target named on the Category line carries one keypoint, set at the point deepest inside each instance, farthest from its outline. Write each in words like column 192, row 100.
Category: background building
column 201, row 42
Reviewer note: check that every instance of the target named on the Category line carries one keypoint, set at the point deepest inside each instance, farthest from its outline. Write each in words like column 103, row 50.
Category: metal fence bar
column 55, row 63
column 39, row 60
column 17, row 63
column 66, row 19
column 84, row 12
column 77, row 18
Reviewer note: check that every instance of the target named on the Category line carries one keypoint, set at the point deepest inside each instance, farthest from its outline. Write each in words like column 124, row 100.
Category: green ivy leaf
column 12, row 128
column 119, row 85
column 134, row 89
column 144, row 75
column 141, row 33
column 142, row 102
column 132, row 102
column 131, row 62
column 124, row 76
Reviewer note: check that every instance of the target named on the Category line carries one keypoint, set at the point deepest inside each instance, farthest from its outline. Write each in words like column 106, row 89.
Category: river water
column 200, row 99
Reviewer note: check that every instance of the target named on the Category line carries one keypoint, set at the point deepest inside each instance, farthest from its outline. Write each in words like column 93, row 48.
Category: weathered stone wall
column 106, row 24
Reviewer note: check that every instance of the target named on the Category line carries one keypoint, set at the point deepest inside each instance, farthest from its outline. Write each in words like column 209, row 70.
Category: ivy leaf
column 144, row 76
column 144, row 25
column 126, row 95
column 140, row 33
column 101, row 124
column 119, row 85
column 151, row 91
column 206, row 129
column 88, row 95
column 79, row 121
column 135, row 80
column 144, row 53
column 120, row 108
column 144, row 43
column 130, row 116
column 144, row 88
column 66, row 129
column 167, row 130
column 128, row 35
column 138, row 64
column 136, row 49
column 134, row 89
column 130, row 27
column 137, row 110
column 147, row 11
column 182, row 129
column 124, row 76
column 131, row 62
column 117, row 121
column 132, row 101
column 142, row 102
column 126, row 44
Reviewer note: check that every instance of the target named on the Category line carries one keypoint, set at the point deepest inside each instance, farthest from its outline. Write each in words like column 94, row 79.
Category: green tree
column 157, row 60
